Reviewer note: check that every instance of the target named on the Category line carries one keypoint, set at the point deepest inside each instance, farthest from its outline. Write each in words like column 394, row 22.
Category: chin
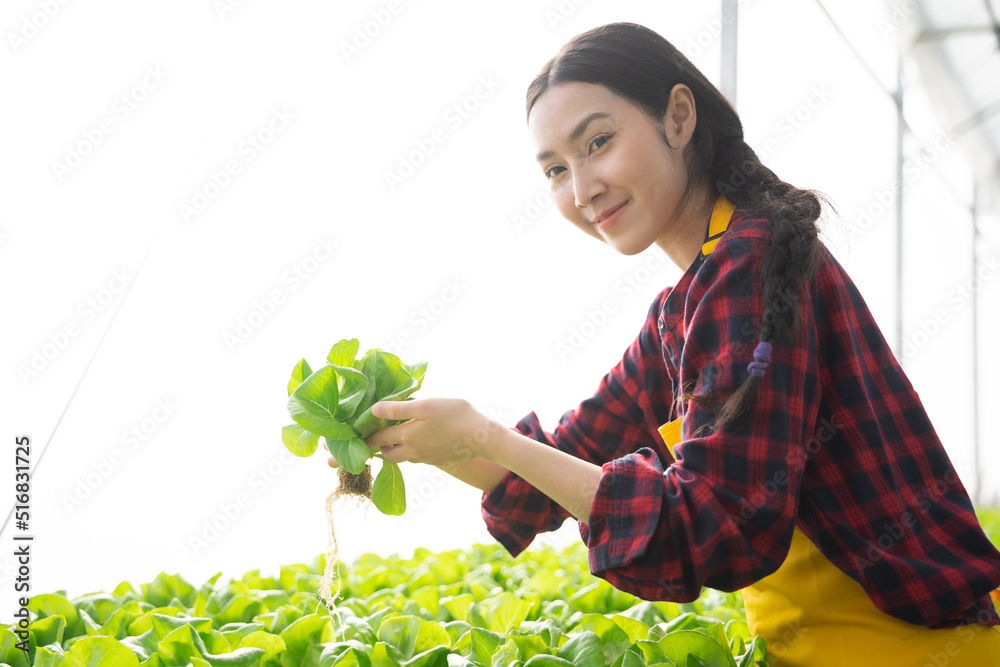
column 629, row 247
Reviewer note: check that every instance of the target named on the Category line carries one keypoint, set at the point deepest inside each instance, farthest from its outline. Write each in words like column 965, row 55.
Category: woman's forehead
column 561, row 112
column 562, row 106
column 574, row 93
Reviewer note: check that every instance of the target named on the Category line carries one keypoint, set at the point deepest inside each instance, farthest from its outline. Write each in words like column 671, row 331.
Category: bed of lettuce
column 473, row 607
column 476, row 607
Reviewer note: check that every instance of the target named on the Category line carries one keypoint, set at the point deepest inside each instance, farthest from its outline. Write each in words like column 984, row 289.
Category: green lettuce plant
column 335, row 403
column 474, row 607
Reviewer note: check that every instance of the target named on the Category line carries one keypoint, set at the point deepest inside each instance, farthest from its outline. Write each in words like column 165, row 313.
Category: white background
column 449, row 231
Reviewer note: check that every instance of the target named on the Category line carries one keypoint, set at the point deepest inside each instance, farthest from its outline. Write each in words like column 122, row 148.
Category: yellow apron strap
column 721, row 214
column 671, row 434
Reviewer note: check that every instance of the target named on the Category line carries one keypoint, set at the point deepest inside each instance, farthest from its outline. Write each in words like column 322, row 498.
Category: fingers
column 381, row 439
column 387, row 442
column 390, row 435
column 388, row 451
column 396, row 409
column 372, row 444
column 392, row 453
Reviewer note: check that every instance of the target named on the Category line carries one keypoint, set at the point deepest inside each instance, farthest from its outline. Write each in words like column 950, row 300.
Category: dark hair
column 641, row 66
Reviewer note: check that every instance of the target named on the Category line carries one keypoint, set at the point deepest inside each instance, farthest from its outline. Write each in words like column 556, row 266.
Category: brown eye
column 603, row 139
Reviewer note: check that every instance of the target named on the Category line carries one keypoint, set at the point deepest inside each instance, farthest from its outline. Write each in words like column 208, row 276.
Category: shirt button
column 661, row 324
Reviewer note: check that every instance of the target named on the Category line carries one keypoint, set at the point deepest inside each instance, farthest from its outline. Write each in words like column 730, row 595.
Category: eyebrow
column 575, row 134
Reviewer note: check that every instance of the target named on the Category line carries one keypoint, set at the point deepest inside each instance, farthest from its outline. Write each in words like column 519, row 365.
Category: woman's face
column 605, row 159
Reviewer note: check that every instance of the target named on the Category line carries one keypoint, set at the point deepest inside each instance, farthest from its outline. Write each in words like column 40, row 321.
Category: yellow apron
column 814, row 615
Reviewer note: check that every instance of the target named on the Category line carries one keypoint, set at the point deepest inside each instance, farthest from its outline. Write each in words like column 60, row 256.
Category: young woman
column 758, row 434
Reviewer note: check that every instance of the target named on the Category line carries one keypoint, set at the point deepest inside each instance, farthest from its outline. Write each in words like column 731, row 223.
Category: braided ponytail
column 643, row 67
column 785, row 270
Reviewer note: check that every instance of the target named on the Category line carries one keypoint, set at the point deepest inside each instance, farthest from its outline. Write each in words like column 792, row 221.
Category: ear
column 681, row 116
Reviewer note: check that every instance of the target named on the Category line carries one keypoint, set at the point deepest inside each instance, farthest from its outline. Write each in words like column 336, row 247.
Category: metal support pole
column 977, row 469
column 728, row 50
column 900, row 123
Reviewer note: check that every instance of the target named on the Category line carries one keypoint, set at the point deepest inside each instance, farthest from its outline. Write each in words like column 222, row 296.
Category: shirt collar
column 722, row 213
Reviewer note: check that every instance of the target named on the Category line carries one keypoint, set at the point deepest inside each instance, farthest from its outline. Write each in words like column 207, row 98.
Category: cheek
column 566, row 204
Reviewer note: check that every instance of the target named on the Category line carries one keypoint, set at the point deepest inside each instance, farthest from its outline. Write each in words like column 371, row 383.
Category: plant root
column 359, row 486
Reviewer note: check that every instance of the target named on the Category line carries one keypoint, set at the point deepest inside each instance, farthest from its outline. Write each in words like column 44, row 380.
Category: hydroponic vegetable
column 475, row 607
column 335, row 403
column 544, row 605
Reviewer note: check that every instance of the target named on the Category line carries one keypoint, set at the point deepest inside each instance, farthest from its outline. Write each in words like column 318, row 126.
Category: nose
column 586, row 186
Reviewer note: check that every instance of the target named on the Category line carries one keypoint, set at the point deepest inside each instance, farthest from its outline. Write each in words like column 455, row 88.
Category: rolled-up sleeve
column 514, row 510
column 626, row 509
column 723, row 513
column 631, row 400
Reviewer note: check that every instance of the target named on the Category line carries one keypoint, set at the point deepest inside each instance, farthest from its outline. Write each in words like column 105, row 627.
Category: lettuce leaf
column 336, row 401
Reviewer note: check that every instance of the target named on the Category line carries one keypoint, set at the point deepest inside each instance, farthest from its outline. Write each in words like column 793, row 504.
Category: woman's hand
column 440, row 431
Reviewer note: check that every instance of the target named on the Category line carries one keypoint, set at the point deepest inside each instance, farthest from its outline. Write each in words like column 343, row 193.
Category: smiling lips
column 609, row 216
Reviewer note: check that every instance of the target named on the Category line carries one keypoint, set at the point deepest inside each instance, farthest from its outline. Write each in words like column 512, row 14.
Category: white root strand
column 331, row 559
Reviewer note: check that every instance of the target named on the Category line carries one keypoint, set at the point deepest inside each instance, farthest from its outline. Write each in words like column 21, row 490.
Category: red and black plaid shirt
column 838, row 443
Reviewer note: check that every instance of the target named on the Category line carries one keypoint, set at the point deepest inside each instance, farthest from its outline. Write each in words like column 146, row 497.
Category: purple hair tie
column 762, row 355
